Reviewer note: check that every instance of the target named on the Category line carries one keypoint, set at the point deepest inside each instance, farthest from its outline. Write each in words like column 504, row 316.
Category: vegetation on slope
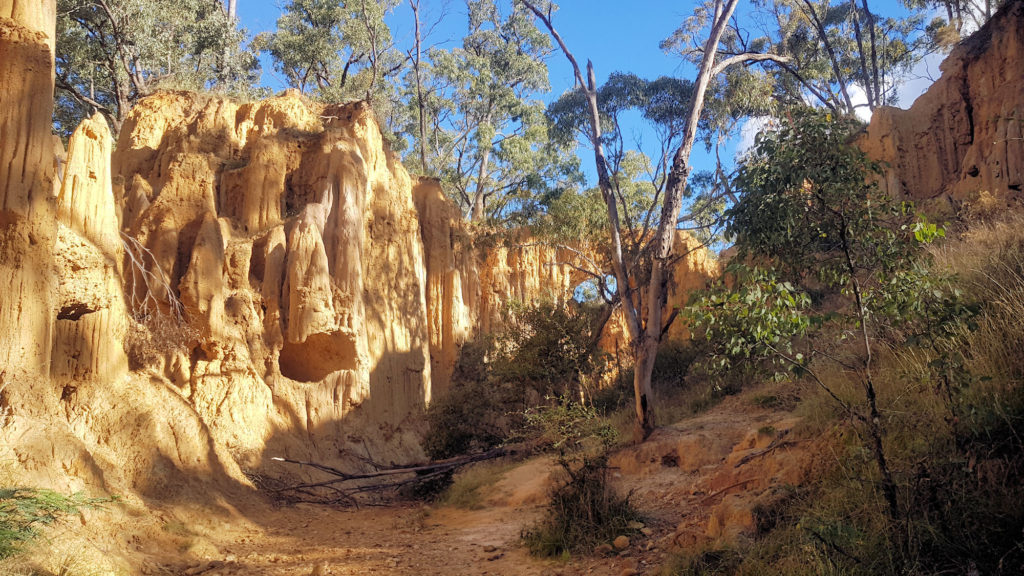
column 908, row 347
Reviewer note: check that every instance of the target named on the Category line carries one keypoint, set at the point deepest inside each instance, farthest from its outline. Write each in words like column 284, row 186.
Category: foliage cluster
column 110, row 53
column 583, row 510
column 958, row 461
column 582, row 513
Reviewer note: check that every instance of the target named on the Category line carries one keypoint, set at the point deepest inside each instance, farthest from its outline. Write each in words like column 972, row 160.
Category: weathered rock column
column 28, row 153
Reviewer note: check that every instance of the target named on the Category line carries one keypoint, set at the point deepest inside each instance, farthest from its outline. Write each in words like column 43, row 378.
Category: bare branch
column 748, row 57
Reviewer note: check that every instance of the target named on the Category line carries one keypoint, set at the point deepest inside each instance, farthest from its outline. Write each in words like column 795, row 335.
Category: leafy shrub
column 584, row 510
column 568, row 428
column 956, row 452
column 472, row 416
column 811, row 218
column 673, row 363
column 549, row 348
column 24, row 510
column 545, row 351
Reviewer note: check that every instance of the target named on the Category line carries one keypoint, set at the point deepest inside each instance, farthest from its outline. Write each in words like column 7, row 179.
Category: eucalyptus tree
column 962, row 16
column 638, row 169
column 487, row 136
column 828, row 52
column 643, row 302
column 336, row 50
column 110, row 53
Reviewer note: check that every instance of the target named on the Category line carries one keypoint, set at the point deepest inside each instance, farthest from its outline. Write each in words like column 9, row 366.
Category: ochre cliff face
column 289, row 234
column 233, row 282
column 452, row 279
column 27, row 167
column 92, row 320
column 963, row 139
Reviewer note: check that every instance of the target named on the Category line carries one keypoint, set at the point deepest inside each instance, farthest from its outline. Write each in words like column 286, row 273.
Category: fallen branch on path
column 382, row 480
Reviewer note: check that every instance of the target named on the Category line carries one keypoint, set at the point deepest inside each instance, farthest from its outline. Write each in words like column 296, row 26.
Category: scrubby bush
column 476, row 413
column 583, row 510
column 544, row 352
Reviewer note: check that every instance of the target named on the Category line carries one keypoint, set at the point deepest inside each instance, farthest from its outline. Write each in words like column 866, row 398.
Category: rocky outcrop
column 27, row 167
column 524, row 270
column 963, row 139
column 91, row 321
column 452, row 279
column 234, row 281
column 287, row 231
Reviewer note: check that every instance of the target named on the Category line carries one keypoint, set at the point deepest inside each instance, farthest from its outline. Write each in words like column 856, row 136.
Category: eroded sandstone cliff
column 230, row 282
column 963, row 139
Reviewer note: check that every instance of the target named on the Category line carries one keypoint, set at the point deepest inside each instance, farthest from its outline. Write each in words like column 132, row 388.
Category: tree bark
column 879, row 100
column 420, row 104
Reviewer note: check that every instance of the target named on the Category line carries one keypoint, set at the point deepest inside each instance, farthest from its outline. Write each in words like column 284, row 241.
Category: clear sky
column 616, row 35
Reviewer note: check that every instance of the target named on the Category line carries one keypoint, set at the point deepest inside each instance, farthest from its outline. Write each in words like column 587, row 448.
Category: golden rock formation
column 961, row 141
column 27, row 165
column 92, row 317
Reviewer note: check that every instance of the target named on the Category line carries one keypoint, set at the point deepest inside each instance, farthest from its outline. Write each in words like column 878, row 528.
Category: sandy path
column 398, row 540
column 694, row 480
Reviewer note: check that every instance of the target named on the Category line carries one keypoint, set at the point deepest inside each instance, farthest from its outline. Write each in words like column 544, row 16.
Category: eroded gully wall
column 961, row 144
column 234, row 282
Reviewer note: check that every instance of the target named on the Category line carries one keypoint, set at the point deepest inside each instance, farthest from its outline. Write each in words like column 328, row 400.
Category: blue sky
column 616, row 35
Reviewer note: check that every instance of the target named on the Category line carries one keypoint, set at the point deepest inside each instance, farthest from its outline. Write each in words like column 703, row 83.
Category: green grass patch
column 24, row 511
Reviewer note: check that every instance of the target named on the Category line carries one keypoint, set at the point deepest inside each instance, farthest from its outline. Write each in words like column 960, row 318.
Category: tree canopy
column 110, row 53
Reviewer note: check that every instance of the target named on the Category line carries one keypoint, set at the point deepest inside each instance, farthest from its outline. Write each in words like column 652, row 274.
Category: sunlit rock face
column 962, row 142
column 27, row 166
column 228, row 282
column 288, row 233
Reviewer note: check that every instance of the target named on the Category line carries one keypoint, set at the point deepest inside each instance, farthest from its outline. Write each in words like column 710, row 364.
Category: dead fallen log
column 344, row 487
